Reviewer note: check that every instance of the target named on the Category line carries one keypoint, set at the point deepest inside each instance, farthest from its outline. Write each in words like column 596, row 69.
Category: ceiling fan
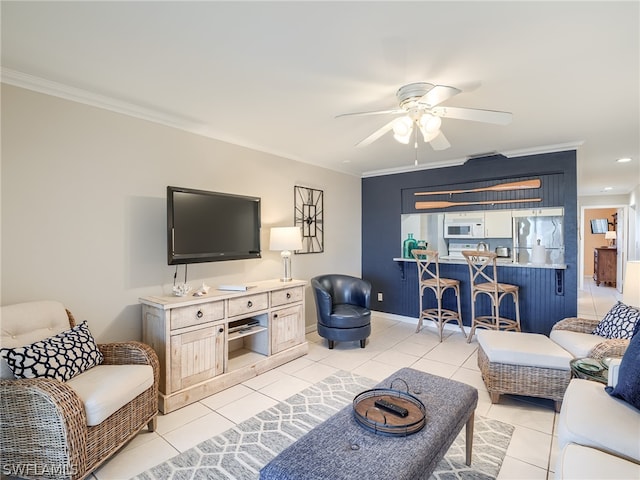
column 419, row 103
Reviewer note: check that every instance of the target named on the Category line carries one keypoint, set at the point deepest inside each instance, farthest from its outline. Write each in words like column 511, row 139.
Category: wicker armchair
column 592, row 346
column 43, row 423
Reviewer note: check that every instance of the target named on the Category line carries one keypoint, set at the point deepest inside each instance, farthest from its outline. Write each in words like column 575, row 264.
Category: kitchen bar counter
column 542, row 290
column 502, row 262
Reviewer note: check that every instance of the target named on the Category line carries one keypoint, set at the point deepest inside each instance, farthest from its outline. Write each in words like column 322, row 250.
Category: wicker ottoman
column 526, row 364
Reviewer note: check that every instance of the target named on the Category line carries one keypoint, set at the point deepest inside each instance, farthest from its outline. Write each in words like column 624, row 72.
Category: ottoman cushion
column 530, row 349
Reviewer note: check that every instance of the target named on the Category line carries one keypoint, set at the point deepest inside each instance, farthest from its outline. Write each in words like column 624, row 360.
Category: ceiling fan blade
column 473, row 114
column 376, row 112
column 375, row 135
column 438, row 94
column 439, row 142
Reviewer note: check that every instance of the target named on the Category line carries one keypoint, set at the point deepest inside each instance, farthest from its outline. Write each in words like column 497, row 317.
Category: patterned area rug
column 240, row 452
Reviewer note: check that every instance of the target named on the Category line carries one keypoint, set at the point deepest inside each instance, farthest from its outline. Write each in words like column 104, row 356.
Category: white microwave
column 464, row 228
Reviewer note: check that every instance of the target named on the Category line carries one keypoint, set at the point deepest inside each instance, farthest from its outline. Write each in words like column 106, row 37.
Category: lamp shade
column 285, row 238
column 610, row 235
column 631, row 284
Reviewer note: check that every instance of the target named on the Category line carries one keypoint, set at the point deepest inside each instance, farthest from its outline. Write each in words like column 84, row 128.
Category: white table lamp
column 611, row 236
column 631, row 284
column 285, row 239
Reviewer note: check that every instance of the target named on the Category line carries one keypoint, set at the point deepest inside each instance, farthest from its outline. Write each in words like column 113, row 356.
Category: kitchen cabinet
column 464, row 215
column 209, row 343
column 498, row 224
column 539, row 212
column 605, row 265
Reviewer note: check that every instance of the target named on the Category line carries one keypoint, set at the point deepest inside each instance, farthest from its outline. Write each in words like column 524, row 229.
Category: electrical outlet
column 379, row 296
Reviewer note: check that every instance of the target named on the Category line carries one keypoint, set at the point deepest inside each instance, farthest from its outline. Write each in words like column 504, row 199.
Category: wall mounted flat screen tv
column 599, row 225
column 207, row 226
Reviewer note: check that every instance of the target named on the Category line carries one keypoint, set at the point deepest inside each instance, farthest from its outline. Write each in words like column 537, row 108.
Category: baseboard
column 399, row 318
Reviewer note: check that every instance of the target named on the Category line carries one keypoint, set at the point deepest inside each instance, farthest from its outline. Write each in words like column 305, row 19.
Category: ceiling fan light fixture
column 430, row 123
column 402, row 128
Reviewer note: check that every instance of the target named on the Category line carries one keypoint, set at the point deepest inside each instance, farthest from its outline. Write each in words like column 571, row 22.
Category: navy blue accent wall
column 385, row 198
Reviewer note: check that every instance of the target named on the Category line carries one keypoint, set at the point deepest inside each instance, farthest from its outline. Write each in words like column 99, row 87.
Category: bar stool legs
column 483, row 274
column 429, row 280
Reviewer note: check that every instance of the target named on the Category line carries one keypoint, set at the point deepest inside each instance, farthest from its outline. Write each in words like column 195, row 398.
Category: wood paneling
column 385, row 198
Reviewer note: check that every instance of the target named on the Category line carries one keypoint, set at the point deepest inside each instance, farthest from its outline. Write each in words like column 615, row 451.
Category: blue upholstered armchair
column 342, row 304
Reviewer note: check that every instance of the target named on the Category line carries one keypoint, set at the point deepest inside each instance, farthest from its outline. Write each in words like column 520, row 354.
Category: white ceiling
column 273, row 75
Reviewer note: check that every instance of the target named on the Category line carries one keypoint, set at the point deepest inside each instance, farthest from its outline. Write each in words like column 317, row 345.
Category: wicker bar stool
column 431, row 280
column 483, row 272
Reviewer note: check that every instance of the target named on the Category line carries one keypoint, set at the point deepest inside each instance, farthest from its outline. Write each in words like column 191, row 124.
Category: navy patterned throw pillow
column 628, row 386
column 62, row 356
column 619, row 322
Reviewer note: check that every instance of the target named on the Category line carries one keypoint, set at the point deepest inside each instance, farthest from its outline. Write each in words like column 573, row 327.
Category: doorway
column 616, row 219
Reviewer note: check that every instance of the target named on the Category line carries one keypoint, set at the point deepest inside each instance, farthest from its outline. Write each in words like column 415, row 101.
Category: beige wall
column 592, row 240
column 84, row 209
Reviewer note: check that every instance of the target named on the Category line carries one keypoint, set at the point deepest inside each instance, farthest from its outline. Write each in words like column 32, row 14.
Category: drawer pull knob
column 221, row 330
column 275, row 315
column 249, row 304
column 288, row 295
column 199, row 314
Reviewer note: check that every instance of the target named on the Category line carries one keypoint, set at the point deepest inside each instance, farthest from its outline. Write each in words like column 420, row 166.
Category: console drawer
column 288, row 295
column 196, row 314
column 248, row 304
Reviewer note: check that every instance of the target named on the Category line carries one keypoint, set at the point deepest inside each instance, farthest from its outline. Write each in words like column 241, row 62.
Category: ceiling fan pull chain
column 416, row 146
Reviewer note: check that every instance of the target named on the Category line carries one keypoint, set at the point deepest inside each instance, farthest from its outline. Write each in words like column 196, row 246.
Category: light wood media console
column 209, row 343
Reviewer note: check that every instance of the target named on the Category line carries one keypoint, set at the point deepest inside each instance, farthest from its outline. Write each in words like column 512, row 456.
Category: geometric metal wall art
column 309, row 215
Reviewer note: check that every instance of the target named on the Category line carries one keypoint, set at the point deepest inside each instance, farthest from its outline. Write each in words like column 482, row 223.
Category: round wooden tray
column 384, row 422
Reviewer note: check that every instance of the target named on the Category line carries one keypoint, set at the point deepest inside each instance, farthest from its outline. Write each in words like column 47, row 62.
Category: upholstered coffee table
column 341, row 448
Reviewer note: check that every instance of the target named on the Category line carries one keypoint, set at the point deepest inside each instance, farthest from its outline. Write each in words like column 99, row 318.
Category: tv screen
column 599, row 225
column 211, row 226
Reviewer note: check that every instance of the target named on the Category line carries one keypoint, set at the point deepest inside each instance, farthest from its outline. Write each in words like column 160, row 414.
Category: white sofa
column 598, row 435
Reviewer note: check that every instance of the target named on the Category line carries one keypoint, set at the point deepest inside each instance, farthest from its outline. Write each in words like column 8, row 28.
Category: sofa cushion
column 61, row 357
column 106, row 388
column 583, row 463
column 628, row 386
column 590, row 417
column 578, row 344
column 619, row 322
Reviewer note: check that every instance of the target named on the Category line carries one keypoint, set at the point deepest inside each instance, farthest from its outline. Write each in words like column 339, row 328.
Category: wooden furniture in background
column 209, row 343
column 604, row 266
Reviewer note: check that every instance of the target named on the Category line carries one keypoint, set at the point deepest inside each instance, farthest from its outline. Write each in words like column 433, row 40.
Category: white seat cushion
column 530, row 349
column 577, row 462
column 577, row 344
column 591, row 417
column 105, row 388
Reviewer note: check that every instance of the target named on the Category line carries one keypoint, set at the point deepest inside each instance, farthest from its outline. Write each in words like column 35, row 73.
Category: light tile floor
column 393, row 344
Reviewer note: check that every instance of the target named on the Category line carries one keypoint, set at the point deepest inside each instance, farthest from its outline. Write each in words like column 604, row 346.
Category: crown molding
column 560, row 147
column 74, row 94
column 414, row 168
column 523, row 152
